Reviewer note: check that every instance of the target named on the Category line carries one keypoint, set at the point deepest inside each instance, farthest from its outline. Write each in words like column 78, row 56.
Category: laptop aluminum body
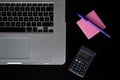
column 36, row 48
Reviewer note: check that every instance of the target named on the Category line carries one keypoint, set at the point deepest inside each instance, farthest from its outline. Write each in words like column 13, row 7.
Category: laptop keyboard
column 26, row 17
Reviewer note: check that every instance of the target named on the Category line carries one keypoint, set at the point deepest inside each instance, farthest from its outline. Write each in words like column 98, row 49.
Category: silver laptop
column 32, row 32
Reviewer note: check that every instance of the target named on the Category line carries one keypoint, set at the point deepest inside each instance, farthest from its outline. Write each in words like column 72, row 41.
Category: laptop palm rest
column 14, row 48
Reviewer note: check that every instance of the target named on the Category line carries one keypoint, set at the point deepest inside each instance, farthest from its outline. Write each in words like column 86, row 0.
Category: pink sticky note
column 87, row 28
column 94, row 18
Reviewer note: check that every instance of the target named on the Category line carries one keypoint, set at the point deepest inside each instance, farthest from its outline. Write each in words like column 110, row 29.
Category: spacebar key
column 11, row 29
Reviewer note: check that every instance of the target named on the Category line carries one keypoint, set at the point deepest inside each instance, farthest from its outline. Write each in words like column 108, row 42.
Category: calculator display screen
column 85, row 55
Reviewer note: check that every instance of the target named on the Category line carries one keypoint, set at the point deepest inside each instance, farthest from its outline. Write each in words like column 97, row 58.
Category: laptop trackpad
column 14, row 48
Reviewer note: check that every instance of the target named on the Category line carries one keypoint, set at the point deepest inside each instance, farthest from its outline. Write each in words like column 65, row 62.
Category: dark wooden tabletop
column 103, row 66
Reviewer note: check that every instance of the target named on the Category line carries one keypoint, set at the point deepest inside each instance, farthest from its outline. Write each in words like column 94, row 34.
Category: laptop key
column 6, row 8
column 1, row 8
column 45, row 4
column 46, row 18
column 34, row 4
column 8, row 13
column 36, row 19
column 40, row 30
column 4, row 18
column 13, row 4
column 18, row 4
column 42, row 8
column 49, row 8
column 15, row 18
column 12, row 24
column 29, row 4
column 45, row 31
column 50, row 13
column 37, row 8
column 45, row 13
column 29, row 29
column 24, row 4
column 23, row 24
column 50, row 30
column 32, row 8
column 2, row 24
column 11, row 29
column 31, row 18
column 16, row 8
column 24, row 13
column 3, row 13
column 11, row 8
column 10, row 18
column 14, row 13
column 25, row 18
column 7, row 4
column 50, row 4
column 27, row 9
column 20, row 18
column 34, row 13
column 7, row 23
column 40, row 13
column 39, row 24
column 22, row 8
column 17, row 24
column 29, row 13
column 47, row 24
column 19, row 14
column 40, row 4
column 35, row 29
column 51, row 18
column 41, row 18
column 28, row 24
column 33, row 24
column 0, row 18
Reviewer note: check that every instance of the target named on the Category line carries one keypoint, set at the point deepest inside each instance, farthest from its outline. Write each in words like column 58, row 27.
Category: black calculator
column 82, row 61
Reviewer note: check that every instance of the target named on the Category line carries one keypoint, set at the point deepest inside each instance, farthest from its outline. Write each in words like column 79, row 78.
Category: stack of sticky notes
column 87, row 28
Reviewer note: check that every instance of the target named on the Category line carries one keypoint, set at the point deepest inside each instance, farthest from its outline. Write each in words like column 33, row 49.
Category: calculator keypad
column 82, row 61
column 79, row 65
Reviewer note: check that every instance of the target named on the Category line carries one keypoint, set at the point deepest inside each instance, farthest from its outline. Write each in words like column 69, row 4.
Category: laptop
column 32, row 32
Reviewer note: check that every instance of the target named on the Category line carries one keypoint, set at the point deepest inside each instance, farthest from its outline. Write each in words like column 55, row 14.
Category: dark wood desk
column 102, row 67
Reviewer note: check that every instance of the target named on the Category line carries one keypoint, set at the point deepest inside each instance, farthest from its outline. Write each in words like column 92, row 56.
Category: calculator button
column 79, row 61
column 79, row 67
column 84, row 67
column 81, row 73
column 75, row 68
column 82, row 63
column 76, row 60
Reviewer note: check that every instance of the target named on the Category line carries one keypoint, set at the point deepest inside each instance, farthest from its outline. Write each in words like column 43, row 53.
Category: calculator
column 82, row 61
